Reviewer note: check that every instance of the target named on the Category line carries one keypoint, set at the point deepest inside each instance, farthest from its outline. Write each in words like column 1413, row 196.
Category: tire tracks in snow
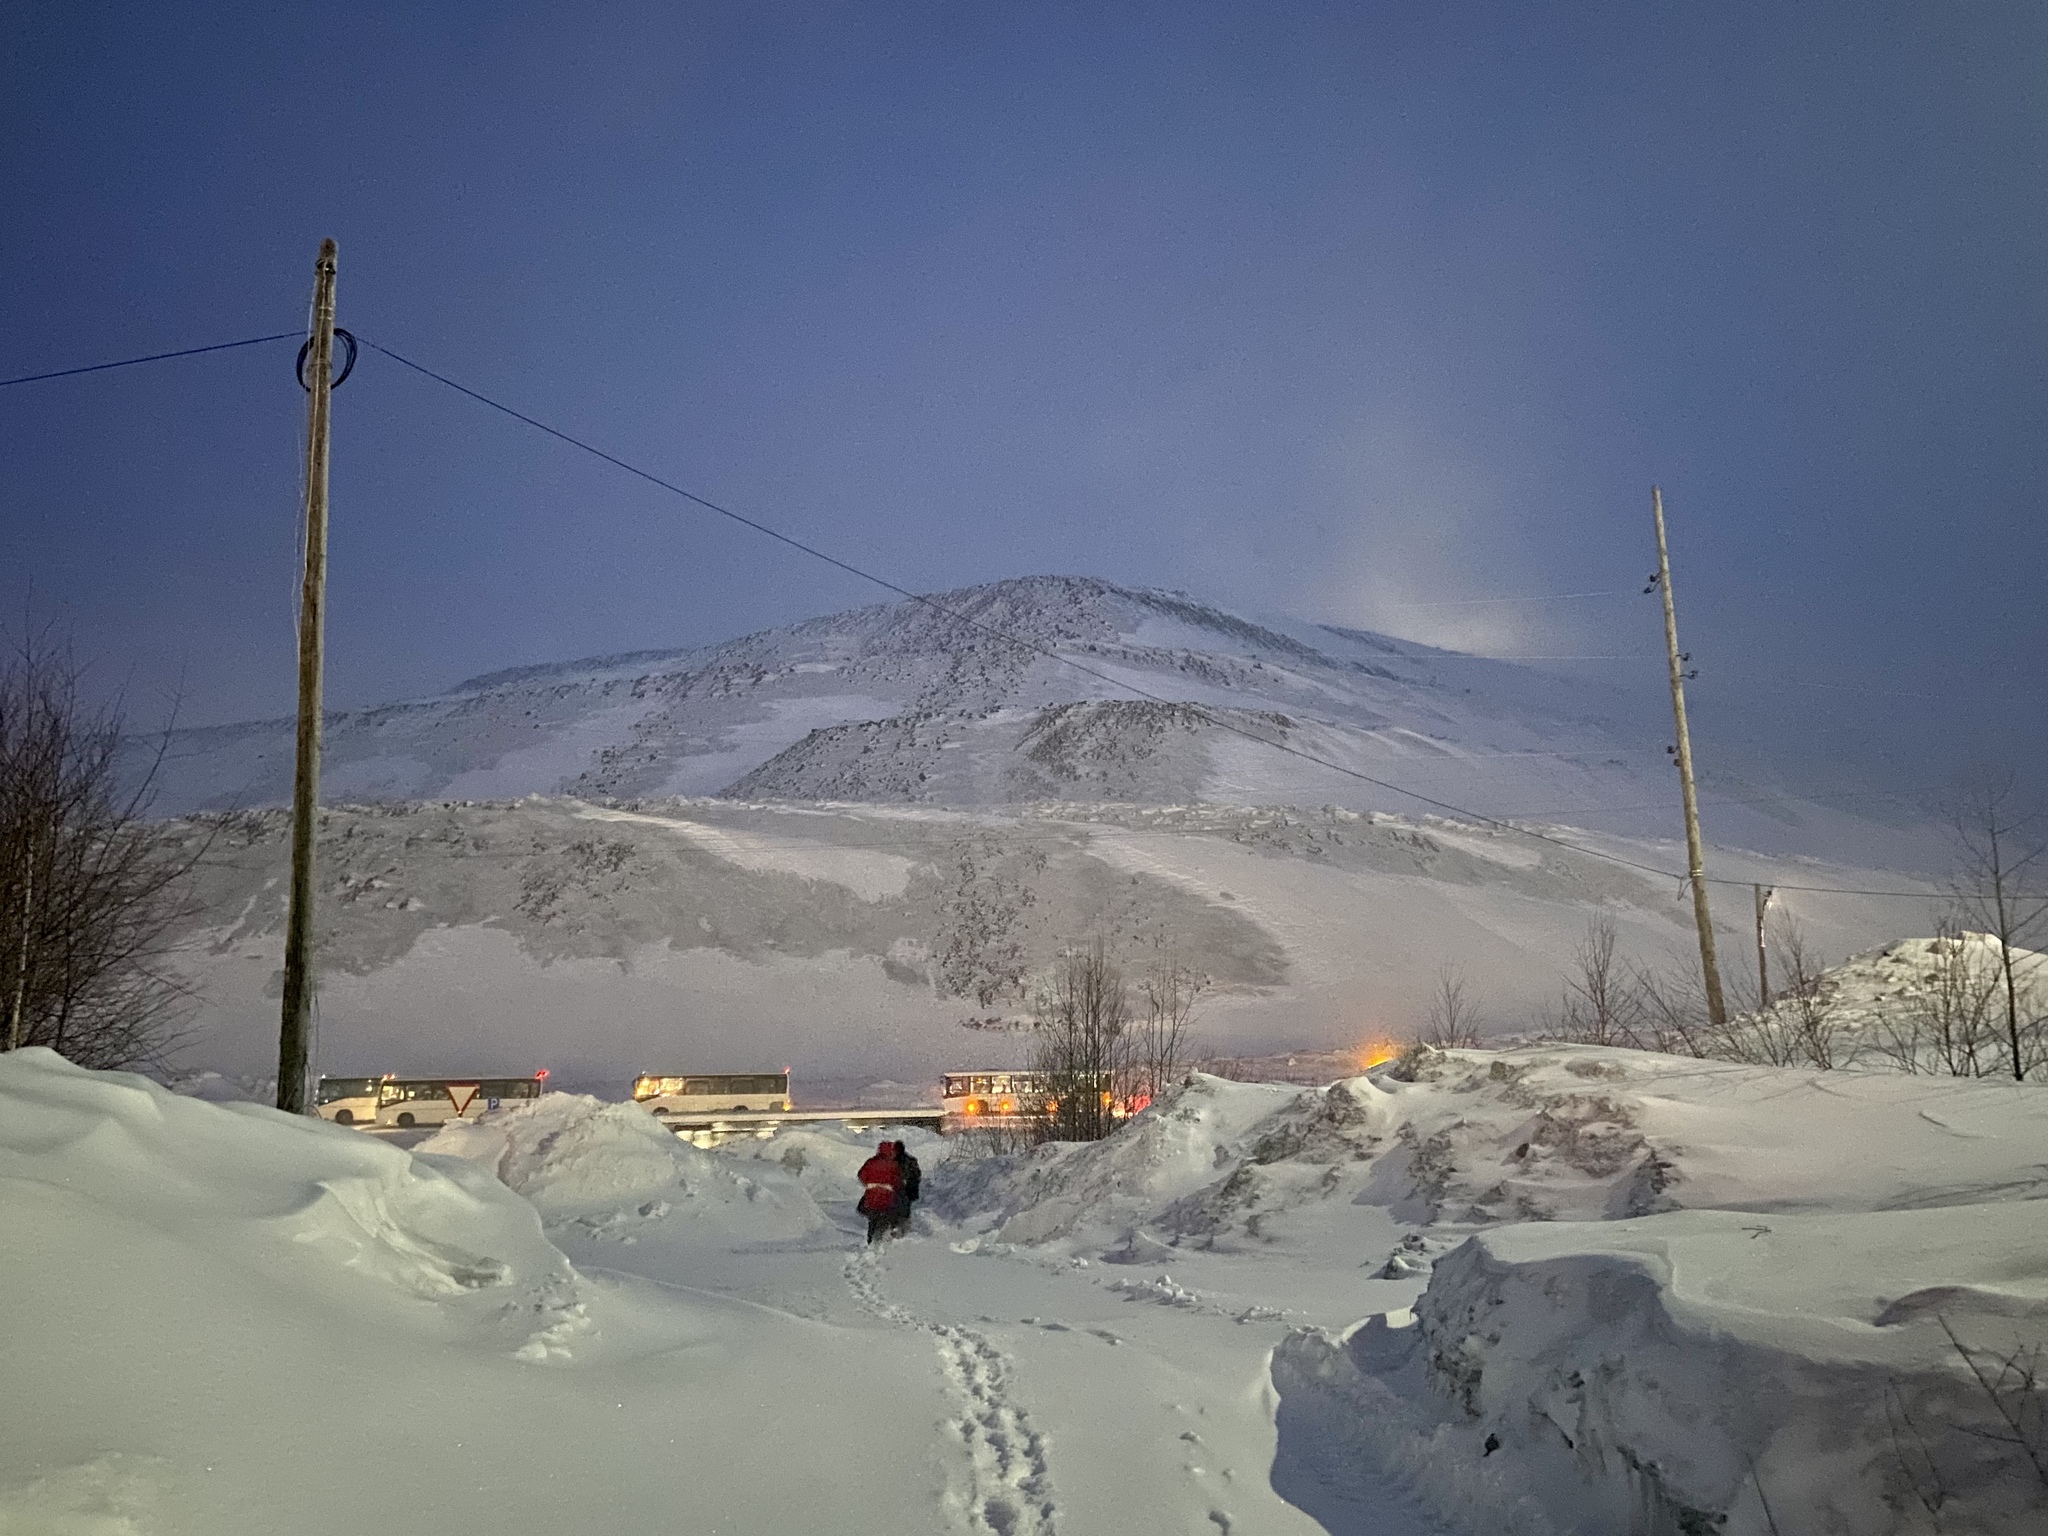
column 1009, row 1478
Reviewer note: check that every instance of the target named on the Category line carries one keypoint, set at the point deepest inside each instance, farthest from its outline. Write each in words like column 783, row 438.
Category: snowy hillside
column 860, row 943
column 901, row 703
column 908, row 817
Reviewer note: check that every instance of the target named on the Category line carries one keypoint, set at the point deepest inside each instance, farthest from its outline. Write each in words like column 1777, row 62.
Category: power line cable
column 154, row 357
column 1055, row 656
column 1546, row 597
column 1815, row 797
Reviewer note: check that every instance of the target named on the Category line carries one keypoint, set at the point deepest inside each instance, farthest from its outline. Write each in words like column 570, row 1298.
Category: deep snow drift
column 223, row 1320
column 1660, row 1290
column 1541, row 1290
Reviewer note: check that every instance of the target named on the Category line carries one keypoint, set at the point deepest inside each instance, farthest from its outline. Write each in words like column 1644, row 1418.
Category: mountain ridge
column 1037, row 688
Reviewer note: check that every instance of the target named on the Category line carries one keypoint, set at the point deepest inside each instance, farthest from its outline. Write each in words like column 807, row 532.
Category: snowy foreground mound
column 1661, row 1292
column 225, row 1321
column 607, row 1165
column 129, row 1174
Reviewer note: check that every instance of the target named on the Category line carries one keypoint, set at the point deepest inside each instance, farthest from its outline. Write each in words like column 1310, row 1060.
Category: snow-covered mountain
column 1059, row 689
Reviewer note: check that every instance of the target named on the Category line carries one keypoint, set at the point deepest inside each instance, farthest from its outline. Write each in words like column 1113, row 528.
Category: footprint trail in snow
column 1009, row 1482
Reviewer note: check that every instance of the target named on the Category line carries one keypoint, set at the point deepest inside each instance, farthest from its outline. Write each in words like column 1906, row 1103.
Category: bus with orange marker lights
column 402, row 1103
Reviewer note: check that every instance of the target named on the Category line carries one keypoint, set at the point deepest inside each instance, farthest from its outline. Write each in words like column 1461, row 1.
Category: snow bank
column 297, row 1204
column 1693, row 1367
column 1660, row 1291
column 228, row 1321
column 574, row 1156
column 1774, row 1310
column 1584, row 1133
column 1108, row 1190
column 1886, row 1005
column 1479, row 1139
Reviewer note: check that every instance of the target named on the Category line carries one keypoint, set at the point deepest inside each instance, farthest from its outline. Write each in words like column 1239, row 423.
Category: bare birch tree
column 91, row 892
column 1082, row 1044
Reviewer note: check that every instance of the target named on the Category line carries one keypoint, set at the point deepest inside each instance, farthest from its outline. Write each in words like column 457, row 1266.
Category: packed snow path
column 1154, row 1398
column 1009, row 1488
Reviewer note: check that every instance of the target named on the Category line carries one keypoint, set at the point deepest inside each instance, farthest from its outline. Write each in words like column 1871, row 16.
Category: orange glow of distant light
column 1373, row 1052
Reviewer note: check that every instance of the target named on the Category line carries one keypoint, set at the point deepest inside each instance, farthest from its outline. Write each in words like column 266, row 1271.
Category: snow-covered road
column 1064, row 1397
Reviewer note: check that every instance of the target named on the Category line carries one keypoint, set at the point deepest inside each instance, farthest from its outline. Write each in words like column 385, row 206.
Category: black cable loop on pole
column 348, row 365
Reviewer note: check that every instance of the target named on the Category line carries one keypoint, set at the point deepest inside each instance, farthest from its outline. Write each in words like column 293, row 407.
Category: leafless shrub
column 1603, row 998
column 1452, row 1022
column 2012, row 1385
column 2012, row 1390
column 1083, row 1043
column 1949, row 1026
column 91, row 891
column 1160, row 1042
column 1809, row 1000
column 1801, row 1028
column 1674, row 1016
column 2001, row 885
column 1914, row 1454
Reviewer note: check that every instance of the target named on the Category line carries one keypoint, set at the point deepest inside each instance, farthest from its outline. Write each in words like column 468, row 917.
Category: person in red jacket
column 881, row 1178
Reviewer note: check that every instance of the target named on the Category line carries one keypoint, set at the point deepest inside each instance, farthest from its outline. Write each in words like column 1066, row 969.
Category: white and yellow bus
column 711, row 1093
column 347, row 1100
column 1009, row 1097
column 996, row 1097
column 405, row 1102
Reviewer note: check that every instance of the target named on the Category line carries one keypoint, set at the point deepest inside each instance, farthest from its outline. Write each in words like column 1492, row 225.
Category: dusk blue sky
column 1321, row 309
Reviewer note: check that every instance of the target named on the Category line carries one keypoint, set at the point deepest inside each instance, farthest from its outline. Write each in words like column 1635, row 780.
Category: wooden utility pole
column 1696, row 871
column 1763, row 969
column 295, row 1032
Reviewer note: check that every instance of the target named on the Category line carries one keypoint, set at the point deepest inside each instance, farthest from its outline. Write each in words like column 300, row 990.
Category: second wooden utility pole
column 1696, row 871
column 295, row 1030
column 1764, row 894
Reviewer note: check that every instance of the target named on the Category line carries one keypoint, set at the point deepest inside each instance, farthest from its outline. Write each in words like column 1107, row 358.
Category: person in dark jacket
column 912, row 1177
column 881, row 1179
